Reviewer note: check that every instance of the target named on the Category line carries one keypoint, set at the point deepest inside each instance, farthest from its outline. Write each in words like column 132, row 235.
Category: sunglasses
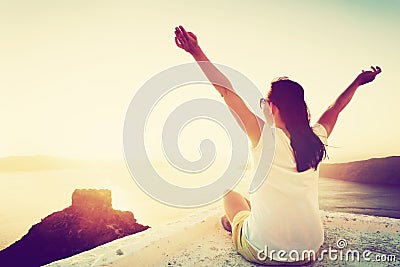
column 264, row 101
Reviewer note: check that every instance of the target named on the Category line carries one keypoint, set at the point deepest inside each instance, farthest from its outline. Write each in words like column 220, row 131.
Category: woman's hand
column 330, row 116
column 186, row 40
column 367, row 76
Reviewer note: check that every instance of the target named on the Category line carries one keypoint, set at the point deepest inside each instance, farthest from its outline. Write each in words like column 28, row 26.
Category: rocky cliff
column 374, row 171
column 89, row 222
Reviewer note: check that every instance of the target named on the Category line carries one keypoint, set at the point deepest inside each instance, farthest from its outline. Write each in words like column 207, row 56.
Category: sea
column 26, row 197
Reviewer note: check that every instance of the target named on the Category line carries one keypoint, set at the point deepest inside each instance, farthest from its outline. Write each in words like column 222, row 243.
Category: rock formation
column 89, row 222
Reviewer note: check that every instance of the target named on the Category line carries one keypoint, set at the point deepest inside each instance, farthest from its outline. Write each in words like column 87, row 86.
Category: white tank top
column 284, row 209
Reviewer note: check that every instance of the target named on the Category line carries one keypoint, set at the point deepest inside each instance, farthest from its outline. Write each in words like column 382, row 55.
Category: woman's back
column 284, row 209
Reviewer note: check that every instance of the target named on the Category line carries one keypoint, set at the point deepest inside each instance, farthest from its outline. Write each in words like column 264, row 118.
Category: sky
column 69, row 69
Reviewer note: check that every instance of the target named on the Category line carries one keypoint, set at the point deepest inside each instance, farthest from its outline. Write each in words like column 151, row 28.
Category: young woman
column 281, row 222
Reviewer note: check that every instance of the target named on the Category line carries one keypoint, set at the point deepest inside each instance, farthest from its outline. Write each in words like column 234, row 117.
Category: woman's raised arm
column 251, row 124
column 329, row 118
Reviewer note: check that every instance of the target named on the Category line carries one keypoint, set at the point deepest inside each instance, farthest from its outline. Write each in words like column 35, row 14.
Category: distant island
column 49, row 163
column 39, row 163
column 89, row 222
column 373, row 171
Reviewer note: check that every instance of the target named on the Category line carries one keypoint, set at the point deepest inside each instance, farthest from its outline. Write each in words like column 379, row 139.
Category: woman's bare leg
column 234, row 203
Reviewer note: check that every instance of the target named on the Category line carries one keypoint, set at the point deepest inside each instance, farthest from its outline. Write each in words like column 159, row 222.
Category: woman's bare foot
column 226, row 224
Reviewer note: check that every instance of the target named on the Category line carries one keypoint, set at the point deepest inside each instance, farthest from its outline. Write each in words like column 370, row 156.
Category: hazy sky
column 69, row 69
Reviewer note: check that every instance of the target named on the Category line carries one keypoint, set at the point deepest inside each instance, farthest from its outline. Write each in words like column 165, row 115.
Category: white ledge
column 198, row 239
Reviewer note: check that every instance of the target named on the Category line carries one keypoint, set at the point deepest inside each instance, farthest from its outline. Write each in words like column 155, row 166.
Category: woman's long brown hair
column 308, row 149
